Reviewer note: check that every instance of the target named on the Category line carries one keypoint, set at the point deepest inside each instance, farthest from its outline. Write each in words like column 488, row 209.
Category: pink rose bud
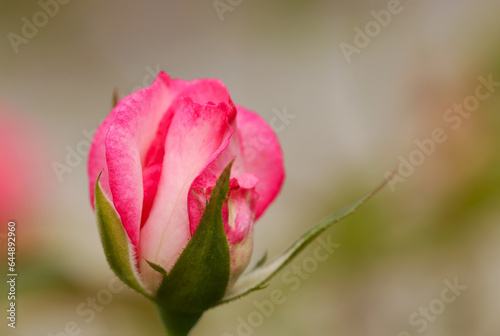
column 161, row 151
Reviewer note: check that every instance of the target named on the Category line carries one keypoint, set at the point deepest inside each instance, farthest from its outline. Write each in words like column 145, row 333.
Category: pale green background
column 353, row 121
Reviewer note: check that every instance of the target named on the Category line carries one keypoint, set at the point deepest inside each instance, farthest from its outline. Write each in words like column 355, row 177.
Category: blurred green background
column 352, row 123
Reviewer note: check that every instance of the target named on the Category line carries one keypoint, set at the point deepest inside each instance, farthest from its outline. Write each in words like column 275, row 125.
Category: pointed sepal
column 259, row 277
column 117, row 246
column 115, row 98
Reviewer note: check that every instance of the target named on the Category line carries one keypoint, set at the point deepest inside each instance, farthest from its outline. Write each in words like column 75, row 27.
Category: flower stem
column 178, row 324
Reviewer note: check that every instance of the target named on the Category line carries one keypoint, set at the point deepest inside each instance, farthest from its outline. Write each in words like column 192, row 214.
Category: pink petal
column 203, row 91
column 153, row 166
column 200, row 91
column 237, row 212
column 97, row 159
column 196, row 133
column 239, row 228
column 120, row 147
column 262, row 156
column 240, row 236
column 238, row 216
column 202, row 185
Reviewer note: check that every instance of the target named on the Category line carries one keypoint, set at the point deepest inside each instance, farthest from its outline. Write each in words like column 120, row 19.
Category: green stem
column 178, row 324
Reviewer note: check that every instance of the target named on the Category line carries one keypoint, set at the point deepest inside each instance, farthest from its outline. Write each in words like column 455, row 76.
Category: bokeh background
column 353, row 121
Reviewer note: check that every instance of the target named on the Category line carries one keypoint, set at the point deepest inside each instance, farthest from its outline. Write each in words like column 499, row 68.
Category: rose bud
column 177, row 176
column 154, row 164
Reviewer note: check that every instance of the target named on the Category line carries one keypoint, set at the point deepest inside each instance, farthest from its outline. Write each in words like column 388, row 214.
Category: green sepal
column 258, row 278
column 200, row 276
column 115, row 241
column 157, row 268
column 115, row 98
column 261, row 261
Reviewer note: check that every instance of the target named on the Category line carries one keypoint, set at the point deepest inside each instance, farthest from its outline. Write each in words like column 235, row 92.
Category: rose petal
column 153, row 166
column 120, row 146
column 237, row 212
column 200, row 91
column 203, row 91
column 262, row 156
column 196, row 133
